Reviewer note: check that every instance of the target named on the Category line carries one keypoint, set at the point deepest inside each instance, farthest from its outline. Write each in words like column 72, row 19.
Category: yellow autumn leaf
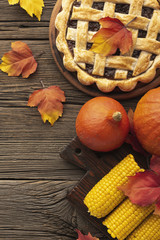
column 12, row 2
column 49, row 101
column 31, row 6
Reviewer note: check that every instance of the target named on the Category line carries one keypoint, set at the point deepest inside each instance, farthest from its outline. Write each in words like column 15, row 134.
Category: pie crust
column 142, row 68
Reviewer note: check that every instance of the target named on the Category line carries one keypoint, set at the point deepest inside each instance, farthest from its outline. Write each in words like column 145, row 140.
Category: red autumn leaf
column 19, row 60
column 49, row 102
column 85, row 237
column 155, row 164
column 111, row 36
column 143, row 189
column 157, row 207
column 131, row 138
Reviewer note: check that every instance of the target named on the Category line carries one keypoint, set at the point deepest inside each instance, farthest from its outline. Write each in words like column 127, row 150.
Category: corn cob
column 105, row 196
column 148, row 230
column 125, row 218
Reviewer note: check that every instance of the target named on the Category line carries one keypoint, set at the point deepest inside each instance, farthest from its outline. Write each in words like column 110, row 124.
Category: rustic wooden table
column 34, row 180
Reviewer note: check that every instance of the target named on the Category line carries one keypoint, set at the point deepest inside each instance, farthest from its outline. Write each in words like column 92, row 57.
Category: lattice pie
column 78, row 22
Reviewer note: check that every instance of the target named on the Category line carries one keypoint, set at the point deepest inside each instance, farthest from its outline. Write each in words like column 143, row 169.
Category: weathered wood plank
column 15, row 13
column 29, row 149
column 24, row 30
column 39, row 210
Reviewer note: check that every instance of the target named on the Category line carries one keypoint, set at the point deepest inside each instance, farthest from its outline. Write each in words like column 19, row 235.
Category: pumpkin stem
column 117, row 116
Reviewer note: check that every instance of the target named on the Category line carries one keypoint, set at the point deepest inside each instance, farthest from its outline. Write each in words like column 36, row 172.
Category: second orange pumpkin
column 147, row 121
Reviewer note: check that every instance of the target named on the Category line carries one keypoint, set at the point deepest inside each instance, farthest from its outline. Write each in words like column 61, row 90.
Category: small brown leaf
column 19, row 60
column 49, row 102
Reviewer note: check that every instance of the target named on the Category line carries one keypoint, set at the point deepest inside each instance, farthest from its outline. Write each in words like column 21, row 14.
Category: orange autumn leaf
column 111, row 36
column 19, row 60
column 49, row 101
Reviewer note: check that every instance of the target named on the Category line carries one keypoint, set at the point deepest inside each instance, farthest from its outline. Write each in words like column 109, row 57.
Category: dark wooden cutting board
column 72, row 77
column 96, row 166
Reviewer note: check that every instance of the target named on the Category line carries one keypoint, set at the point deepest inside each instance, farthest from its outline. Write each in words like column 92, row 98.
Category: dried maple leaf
column 19, row 60
column 31, row 6
column 111, row 36
column 85, row 237
column 49, row 103
column 155, row 163
column 144, row 188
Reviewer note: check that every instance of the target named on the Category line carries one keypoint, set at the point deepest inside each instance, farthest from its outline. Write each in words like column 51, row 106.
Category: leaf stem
column 42, row 84
column 130, row 22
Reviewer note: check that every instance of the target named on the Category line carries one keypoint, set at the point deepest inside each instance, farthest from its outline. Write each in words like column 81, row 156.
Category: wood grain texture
column 34, row 180
column 24, row 30
column 38, row 202
column 38, row 210
column 30, row 149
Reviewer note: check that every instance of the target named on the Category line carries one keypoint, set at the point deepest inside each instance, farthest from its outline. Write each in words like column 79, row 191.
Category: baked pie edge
column 103, row 84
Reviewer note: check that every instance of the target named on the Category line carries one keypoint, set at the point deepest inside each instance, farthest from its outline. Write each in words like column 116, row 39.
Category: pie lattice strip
column 100, row 61
column 91, row 14
column 144, row 59
column 134, row 9
column 120, row 62
column 81, row 37
column 146, row 3
column 82, row 31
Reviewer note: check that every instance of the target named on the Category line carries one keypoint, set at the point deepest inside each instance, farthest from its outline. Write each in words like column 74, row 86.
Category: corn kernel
column 122, row 221
column 147, row 230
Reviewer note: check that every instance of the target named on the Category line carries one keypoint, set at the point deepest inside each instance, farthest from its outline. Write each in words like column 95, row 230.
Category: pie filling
column 94, row 26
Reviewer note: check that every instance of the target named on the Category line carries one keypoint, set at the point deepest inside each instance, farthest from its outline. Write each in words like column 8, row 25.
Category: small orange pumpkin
column 147, row 121
column 102, row 124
